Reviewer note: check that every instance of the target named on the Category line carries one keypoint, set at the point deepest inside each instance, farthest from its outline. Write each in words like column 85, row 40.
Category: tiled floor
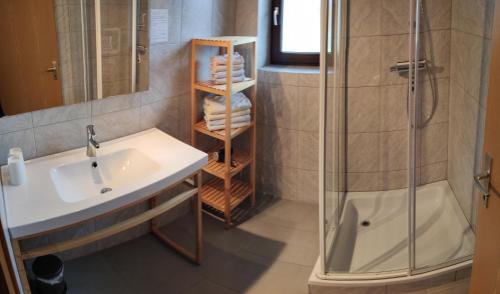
column 272, row 252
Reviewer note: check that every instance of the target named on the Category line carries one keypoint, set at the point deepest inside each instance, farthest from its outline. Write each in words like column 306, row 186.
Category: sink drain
column 365, row 223
column 106, row 190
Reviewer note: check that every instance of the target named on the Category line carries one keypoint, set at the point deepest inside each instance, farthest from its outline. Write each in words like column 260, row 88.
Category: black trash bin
column 49, row 275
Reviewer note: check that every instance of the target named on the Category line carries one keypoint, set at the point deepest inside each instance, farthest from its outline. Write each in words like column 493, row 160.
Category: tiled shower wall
column 287, row 133
column 377, row 120
column 470, row 55
column 69, row 38
column 165, row 105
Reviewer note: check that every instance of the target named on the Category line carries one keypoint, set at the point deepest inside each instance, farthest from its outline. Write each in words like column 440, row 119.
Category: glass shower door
column 446, row 137
column 332, row 137
column 366, row 135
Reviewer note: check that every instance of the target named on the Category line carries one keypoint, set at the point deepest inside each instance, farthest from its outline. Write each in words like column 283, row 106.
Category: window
column 295, row 32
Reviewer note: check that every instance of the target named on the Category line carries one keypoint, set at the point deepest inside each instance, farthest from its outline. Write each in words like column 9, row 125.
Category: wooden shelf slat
column 225, row 41
column 218, row 169
column 210, row 87
column 201, row 127
column 212, row 193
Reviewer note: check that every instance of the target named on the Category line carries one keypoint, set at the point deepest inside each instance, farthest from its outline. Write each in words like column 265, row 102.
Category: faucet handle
column 90, row 130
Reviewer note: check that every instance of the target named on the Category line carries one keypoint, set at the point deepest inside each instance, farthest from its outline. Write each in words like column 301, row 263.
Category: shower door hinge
column 482, row 180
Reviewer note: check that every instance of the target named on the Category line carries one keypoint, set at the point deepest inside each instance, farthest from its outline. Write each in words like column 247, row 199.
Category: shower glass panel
column 118, row 46
column 368, row 114
column 448, row 131
column 401, row 137
column 333, row 139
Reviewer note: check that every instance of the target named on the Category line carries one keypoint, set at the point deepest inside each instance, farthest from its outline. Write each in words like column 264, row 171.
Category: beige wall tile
column 246, row 17
column 363, row 109
column 24, row 139
column 15, row 123
column 363, row 152
column 116, row 124
column 468, row 56
column 360, row 182
column 393, row 150
column 308, row 185
column 196, row 22
column 437, row 14
column 441, row 93
column 223, row 17
column 308, row 109
column 309, row 80
column 434, row 144
column 474, row 17
column 437, row 45
column 395, row 17
column 163, row 114
column 433, row 172
column 364, row 18
column 394, row 48
column 308, row 147
column 393, row 108
column 364, row 61
column 61, row 114
column 390, row 180
column 61, row 136
column 280, row 107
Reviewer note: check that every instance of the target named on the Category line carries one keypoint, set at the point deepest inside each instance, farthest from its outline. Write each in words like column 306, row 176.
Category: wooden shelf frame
column 227, row 193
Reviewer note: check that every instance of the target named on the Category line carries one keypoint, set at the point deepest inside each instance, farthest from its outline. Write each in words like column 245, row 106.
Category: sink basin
column 64, row 188
column 81, row 180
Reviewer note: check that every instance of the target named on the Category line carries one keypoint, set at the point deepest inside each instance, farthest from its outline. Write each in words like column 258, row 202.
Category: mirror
column 62, row 52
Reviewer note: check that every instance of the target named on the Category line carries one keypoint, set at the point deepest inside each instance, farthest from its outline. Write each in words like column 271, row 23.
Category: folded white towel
column 223, row 115
column 221, row 122
column 221, row 127
column 222, row 59
column 223, row 74
column 223, row 81
column 217, row 104
column 219, row 68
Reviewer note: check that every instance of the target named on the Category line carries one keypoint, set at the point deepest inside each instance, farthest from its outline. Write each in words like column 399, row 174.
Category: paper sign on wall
column 159, row 26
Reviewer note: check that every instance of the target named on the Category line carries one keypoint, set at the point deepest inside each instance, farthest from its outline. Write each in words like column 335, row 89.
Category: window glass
column 301, row 26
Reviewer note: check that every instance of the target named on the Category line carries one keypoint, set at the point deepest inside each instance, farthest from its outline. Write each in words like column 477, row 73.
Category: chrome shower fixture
column 404, row 66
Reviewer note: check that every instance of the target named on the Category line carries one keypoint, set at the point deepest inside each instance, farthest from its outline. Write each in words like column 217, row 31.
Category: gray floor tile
column 272, row 252
column 207, row 287
column 93, row 275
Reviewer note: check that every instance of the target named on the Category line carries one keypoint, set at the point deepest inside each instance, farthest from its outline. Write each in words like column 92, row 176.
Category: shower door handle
column 482, row 180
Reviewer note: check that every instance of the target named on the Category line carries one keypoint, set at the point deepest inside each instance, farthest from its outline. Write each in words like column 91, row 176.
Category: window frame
column 282, row 58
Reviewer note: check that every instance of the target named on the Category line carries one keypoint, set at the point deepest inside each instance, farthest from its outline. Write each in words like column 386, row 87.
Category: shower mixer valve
column 404, row 66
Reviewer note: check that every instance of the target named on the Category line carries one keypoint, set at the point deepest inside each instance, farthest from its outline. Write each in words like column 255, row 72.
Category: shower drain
column 365, row 223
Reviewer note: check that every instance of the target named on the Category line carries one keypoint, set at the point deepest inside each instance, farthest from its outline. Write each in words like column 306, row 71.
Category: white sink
column 64, row 189
column 81, row 180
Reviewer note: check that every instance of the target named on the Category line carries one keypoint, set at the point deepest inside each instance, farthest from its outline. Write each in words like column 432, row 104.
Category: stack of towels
column 214, row 108
column 219, row 71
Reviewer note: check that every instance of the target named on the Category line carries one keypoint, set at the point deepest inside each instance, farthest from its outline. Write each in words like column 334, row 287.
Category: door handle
column 482, row 180
column 53, row 69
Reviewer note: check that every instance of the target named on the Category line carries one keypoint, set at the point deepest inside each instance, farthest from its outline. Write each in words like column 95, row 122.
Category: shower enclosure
column 401, row 133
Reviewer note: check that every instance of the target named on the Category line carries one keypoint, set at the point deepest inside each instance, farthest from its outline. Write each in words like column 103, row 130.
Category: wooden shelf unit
column 223, row 192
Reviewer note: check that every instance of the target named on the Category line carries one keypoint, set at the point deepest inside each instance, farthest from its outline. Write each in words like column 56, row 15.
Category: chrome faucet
column 92, row 145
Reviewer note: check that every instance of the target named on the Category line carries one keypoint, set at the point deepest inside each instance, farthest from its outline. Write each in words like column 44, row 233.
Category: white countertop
column 36, row 207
